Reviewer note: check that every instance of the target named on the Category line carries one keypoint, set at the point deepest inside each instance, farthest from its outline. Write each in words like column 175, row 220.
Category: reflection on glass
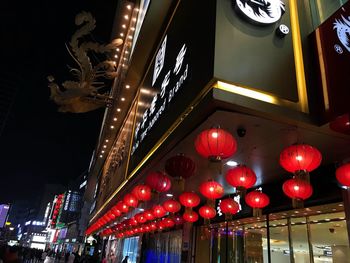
column 130, row 248
column 322, row 9
column 330, row 238
column 299, row 237
column 279, row 241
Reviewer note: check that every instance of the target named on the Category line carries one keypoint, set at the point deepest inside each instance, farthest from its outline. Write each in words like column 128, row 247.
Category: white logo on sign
column 261, row 11
column 159, row 62
column 343, row 32
column 180, row 59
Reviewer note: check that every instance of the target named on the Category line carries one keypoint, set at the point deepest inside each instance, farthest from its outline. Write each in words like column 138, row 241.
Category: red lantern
column 111, row 215
column 215, row 144
column 190, row 216
column 116, row 211
column 229, row 207
column 211, row 190
column 140, row 217
column 153, row 226
column 341, row 124
column 343, row 174
column 168, row 222
column 298, row 190
column 158, row 181
column 207, row 212
column 133, row 222
column 300, row 157
column 172, row 206
column 142, row 192
column 149, row 215
column 158, row 211
column 180, row 166
column 122, row 207
column 178, row 220
column 257, row 200
column 130, row 200
column 189, row 199
column 241, row 177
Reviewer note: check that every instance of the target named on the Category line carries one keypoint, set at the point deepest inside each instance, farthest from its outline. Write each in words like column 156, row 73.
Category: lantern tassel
column 303, row 175
column 241, row 191
column 297, row 203
column 257, row 212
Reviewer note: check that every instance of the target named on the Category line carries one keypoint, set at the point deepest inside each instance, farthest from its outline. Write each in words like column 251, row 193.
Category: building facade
column 271, row 79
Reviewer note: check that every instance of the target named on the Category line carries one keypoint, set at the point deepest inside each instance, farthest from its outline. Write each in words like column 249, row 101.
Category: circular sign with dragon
column 263, row 12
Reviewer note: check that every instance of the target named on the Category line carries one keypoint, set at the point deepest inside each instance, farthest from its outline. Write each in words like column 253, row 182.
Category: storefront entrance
column 310, row 235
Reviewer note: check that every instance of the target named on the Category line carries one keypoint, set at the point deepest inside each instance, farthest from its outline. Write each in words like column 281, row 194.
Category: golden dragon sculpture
column 86, row 92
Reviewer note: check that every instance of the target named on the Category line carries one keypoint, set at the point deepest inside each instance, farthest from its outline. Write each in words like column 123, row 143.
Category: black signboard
column 181, row 68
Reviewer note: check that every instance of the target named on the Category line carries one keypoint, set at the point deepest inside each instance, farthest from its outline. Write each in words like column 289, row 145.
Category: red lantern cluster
column 215, row 144
column 158, row 181
column 343, row 174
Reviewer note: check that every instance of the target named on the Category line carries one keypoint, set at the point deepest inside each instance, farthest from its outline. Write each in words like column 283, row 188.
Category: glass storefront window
column 131, row 248
column 279, row 241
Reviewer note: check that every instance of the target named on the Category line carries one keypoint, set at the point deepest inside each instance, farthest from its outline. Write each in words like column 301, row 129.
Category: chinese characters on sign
column 171, row 79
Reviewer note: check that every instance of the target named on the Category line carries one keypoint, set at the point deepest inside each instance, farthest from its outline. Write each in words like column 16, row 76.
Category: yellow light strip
column 298, row 56
column 257, row 95
column 323, row 70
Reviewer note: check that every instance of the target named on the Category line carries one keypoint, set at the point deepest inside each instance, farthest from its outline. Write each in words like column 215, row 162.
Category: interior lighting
column 134, row 19
column 169, row 195
column 128, row 7
column 133, row 29
column 101, row 156
column 117, row 49
column 107, row 140
column 102, row 151
column 122, row 99
column 121, row 34
column 104, row 146
column 116, row 56
column 130, row 37
column 126, row 17
column 112, row 127
column 118, row 110
column 127, row 86
column 124, row 26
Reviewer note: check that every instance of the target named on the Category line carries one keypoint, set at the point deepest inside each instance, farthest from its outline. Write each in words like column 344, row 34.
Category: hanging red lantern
column 297, row 189
column 257, row 200
column 229, row 207
column 207, row 212
column 341, row 124
column 300, row 158
column 111, row 215
column 130, row 200
column 133, row 222
column 158, row 211
column 241, row 177
column 122, row 207
column 169, row 222
column 172, row 206
column 142, row 192
column 178, row 219
column 116, row 211
column 149, row 215
column 190, row 216
column 158, row 181
column 215, row 144
column 153, row 226
column 140, row 218
column 343, row 174
column 180, row 166
column 211, row 190
column 189, row 199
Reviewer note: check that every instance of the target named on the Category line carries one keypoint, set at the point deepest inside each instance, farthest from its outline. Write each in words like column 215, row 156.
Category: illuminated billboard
column 4, row 209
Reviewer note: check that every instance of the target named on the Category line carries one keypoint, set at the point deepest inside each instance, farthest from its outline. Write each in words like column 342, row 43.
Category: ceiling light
column 101, row 156
column 134, row 19
column 117, row 49
column 102, row 151
column 141, row 209
column 118, row 110
column 232, row 163
column 122, row 99
column 112, row 127
column 126, row 52
column 169, row 195
column 127, row 86
column 116, row 56
column 126, row 17
column 104, row 146
column 107, row 140
column 115, row 119
column 130, row 37
column 132, row 28
column 128, row 7
column 121, row 34
column 123, row 26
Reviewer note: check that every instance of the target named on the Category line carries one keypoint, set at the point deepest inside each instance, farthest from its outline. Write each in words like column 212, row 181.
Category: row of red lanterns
column 217, row 144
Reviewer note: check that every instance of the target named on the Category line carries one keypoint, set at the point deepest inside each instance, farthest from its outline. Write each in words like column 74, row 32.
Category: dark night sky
column 40, row 145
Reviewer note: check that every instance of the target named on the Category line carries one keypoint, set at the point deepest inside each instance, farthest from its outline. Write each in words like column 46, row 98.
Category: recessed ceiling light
column 169, row 195
column 107, row 140
column 102, row 151
column 118, row 110
column 117, row 49
column 112, row 127
column 124, row 26
column 101, row 156
column 116, row 56
column 104, row 146
column 126, row 17
column 127, row 86
column 122, row 99
column 115, row 119
column 134, row 19
column 232, row 163
column 121, row 34
column 128, row 7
